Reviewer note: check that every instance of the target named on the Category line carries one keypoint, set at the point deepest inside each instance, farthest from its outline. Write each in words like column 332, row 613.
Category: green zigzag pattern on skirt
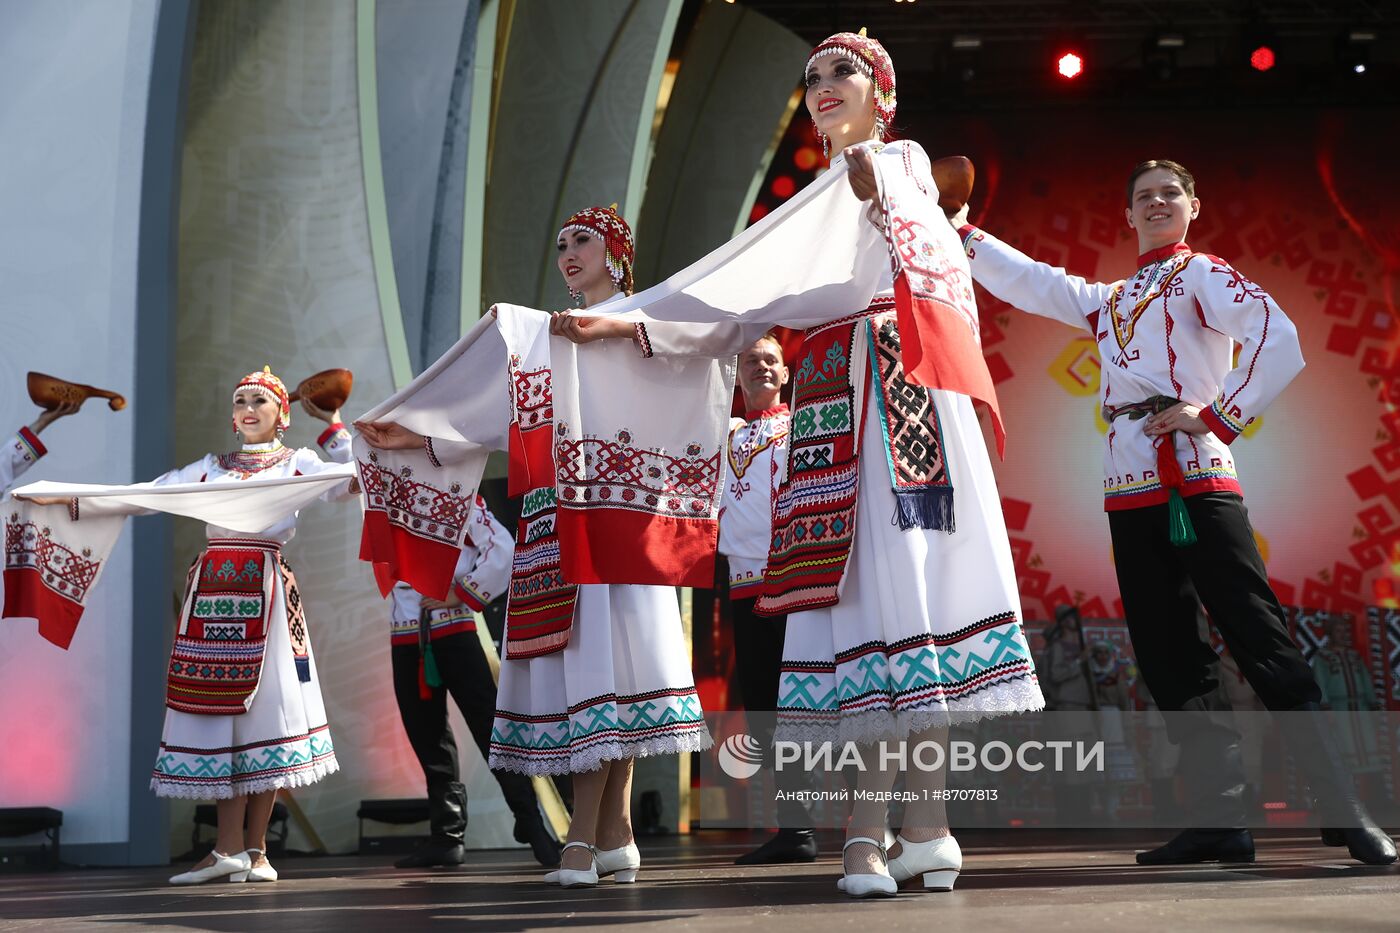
column 950, row 667
column 645, row 712
column 275, row 757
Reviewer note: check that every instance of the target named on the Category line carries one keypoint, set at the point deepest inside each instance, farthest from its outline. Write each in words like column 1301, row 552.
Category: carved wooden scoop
column 49, row 392
column 328, row 389
column 954, row 176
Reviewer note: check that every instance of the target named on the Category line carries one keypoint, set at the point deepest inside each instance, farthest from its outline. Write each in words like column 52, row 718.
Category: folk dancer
column 595, row 675
column 244, row 715
column 900, row 619
column 757, row 460
column 436, row 651
column 1181, row 536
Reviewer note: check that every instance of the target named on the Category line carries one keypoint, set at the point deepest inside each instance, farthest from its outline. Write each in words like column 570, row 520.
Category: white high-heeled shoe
column 223, row 867
column 576, row 878
column 867, row 884
column 938, row 860
column 262, row 873
column 622, row 863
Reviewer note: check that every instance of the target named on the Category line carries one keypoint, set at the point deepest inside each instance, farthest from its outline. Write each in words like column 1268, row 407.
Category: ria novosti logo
column 740, row 756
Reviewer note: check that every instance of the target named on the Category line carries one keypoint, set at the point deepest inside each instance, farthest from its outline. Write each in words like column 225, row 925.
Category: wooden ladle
column 327, row 390
column 49, row 392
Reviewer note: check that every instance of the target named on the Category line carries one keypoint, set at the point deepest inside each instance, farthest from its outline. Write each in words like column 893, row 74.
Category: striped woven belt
column 1138, row 410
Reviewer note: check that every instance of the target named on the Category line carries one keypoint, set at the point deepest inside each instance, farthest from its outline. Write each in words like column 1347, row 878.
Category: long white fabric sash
column 636, row 443
column 54, row 555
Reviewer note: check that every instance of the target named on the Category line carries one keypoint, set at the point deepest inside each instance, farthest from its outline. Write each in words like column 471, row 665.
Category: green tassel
column 1183, row 533
column 430, row 668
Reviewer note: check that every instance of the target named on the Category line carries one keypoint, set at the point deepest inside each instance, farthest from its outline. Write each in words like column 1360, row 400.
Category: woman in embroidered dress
column 901, row 623
column 239, row 749
column 622, row 687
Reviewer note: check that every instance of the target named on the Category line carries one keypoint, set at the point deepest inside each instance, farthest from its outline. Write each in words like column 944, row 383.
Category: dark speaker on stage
column 401, row 811
column 30, row 821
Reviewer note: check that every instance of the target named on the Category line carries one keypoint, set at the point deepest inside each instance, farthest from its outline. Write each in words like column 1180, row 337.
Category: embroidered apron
column 814, row 512
column 216, row 662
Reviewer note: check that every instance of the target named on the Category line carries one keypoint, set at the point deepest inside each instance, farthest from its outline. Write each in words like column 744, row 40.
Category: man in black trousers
column 757, row 458
column 436, row 650
column 1175, row 399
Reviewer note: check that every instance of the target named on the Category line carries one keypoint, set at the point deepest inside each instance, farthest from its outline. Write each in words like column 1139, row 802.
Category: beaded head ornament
column 870, row 57
column 606, row 225
column 269, row 386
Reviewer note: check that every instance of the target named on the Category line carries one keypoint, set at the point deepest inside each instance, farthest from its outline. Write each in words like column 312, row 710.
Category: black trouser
column 1163, row 588
column 758, row 661
column 467, row 676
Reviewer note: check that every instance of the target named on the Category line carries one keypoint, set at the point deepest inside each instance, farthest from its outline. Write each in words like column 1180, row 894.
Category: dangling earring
column 826, row 141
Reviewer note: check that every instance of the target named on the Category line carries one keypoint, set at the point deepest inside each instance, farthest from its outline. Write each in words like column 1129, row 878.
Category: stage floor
column 1065, row 883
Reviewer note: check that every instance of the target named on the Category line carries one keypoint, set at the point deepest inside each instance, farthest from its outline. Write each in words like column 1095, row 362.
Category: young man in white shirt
column 1175, row 400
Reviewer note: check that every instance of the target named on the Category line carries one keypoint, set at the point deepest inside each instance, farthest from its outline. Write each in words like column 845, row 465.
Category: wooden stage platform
column 1076, row 882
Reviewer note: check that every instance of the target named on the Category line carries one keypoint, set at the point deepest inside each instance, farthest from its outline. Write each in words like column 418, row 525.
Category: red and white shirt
column 756, row 455
column 482, row 574
column 21, row 452
column 1169, row 329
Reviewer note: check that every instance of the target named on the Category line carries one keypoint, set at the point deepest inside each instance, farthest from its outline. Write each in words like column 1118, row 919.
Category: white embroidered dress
column 283, row 740
column 927, row 630
column 621, row 688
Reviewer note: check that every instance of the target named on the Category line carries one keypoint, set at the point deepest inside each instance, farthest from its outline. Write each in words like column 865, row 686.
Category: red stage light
column 1262, row 58
column 759, row 212
column 1070, row 65
column 784, row 186
column 805, row 158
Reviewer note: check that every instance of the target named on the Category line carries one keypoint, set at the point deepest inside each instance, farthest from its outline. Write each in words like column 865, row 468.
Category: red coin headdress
column 604, row 223
column 873, row 61
column 266, row 384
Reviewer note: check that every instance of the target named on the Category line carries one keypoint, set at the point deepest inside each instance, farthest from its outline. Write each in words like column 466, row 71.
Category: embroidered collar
column 254, row 458
column 778, row 409
column 1161, row 252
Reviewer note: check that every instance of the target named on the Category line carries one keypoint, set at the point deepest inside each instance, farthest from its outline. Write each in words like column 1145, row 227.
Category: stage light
column 1354, row 50
column 1070, row 65
column 783, row 186
column 967, row 43
column 805, row 158
column 1259, row 45
column 1170, row 40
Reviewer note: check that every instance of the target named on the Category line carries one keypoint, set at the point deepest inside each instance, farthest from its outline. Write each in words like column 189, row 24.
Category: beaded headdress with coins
column 608, row 226
column 870, row 57
column 269, row 386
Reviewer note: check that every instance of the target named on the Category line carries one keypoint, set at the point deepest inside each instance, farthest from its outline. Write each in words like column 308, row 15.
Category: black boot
column 1192, row 846
column 1212, row 771
column 1315, row 754
column 447, row 815
column 787, row 846
column 529, row 827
